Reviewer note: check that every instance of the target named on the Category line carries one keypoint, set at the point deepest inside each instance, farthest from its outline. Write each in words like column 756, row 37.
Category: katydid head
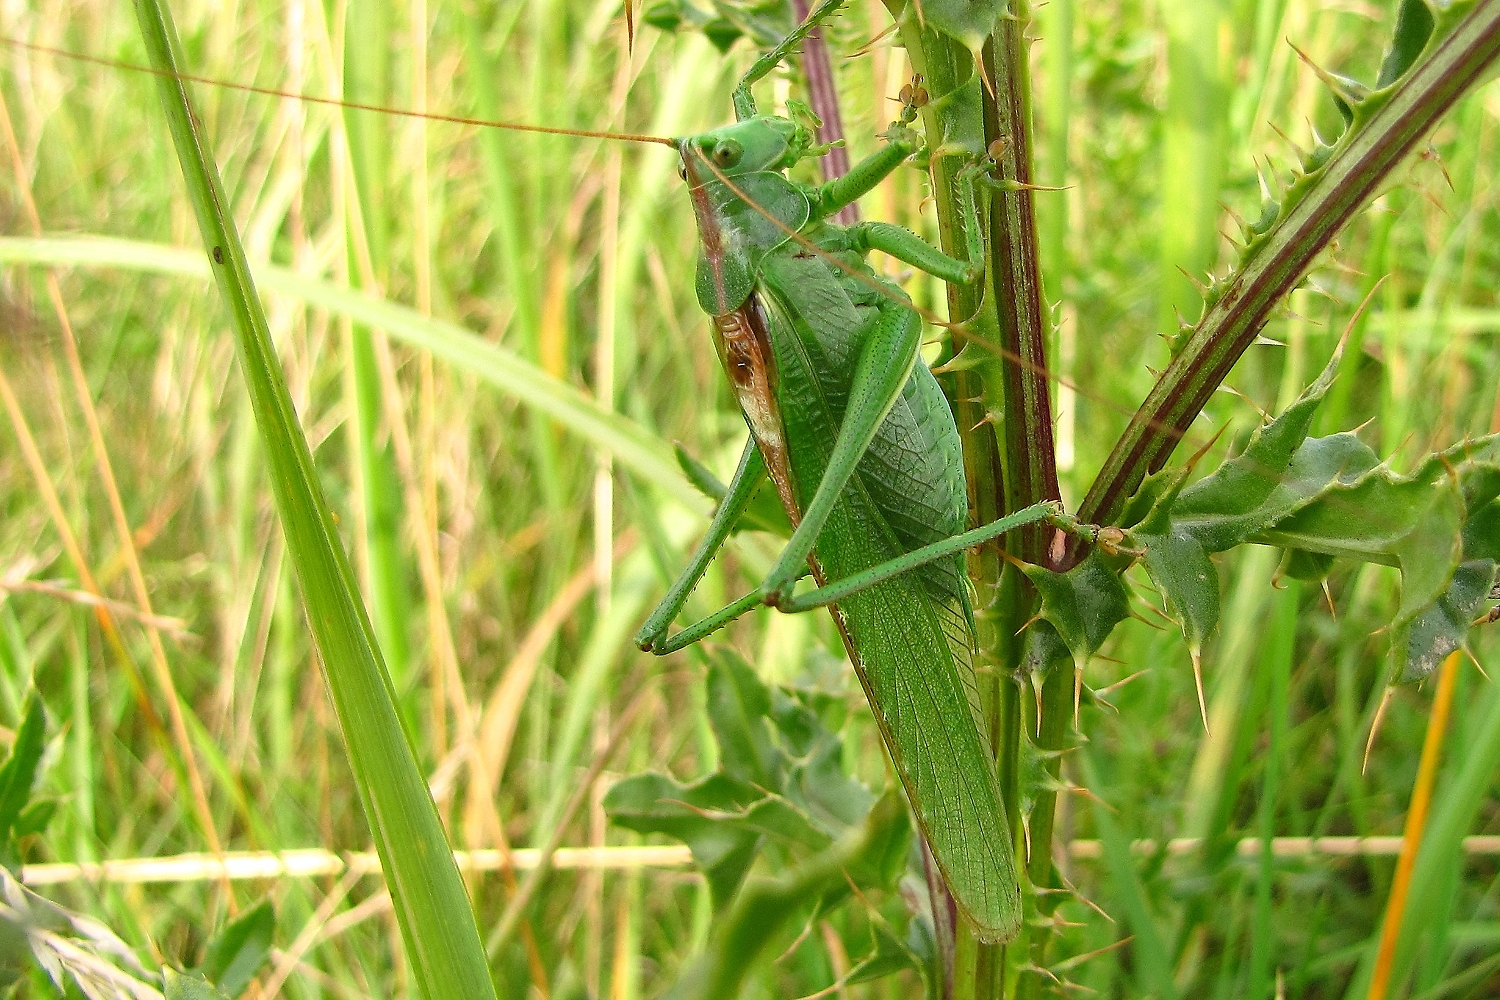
column 765, row 142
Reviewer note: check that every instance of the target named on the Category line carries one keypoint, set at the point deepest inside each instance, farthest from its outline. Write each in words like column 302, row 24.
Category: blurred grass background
column 506, row 561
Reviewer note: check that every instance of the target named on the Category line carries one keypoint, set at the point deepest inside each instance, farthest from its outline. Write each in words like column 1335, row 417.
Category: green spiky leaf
column 719, row 818
column 968, row 21
column 1329, row 498
column 1189, row 583
column 1440, row 628
column 1084, row 604
column 780, row 782
column 1307, row 566
column 1414, row 25
column 766, row 906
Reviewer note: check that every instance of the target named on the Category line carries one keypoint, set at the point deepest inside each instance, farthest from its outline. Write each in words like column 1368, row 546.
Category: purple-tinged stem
column 817, row 69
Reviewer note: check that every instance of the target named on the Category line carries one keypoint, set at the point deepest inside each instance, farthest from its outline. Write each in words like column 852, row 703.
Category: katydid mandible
column 858, row 440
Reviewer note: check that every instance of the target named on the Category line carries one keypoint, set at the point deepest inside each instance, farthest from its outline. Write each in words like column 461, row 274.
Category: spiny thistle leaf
column 970, row 22
column 1332, row 497
column 1179, row 566
column 1084, row 604
column 780, row 782
column 1414, row 24
column 719, row 818
column 1422, row 643
column 865, row 855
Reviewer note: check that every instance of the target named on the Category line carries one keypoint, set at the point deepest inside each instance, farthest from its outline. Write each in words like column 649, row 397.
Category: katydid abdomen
column 789, row 351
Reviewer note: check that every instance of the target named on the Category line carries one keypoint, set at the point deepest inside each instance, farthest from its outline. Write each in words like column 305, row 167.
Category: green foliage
column 780, row 783
column 19, row 815
column 968, row 22
column 780, row 792
column 1323, row 498
column 525, row 271
column 862, row 857
column 1414, row 33
column 432, row 907
column 1084, row 604
column 186, row 986
column 724, row 22
column 1414, row 24
column 72, row 949
column 236, row 954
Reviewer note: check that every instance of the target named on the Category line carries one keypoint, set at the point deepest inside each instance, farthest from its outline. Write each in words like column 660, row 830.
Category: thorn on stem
column 1148, row 622
column 1036, row 690
column 1198, row 682
column 1385, row 701
column 1077, row 693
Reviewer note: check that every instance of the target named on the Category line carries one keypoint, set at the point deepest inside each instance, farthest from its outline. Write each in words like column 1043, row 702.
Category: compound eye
column 727, row 152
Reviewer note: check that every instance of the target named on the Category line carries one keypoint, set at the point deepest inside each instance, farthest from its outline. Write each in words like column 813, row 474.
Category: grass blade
column 432, row 907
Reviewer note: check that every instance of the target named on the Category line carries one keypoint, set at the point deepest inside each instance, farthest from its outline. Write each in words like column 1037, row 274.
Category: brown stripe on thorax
column 744, row 347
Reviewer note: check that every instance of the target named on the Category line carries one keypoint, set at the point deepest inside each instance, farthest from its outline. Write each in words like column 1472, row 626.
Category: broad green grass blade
column 646, row 455
column 431, row 904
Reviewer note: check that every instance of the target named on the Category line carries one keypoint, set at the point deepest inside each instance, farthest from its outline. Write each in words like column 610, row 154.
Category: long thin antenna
column 335, row 102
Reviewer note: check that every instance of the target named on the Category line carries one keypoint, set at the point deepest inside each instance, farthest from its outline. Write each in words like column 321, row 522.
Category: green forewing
column 911, row 638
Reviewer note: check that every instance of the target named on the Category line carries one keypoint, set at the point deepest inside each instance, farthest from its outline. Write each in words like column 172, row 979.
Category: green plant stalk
column 1016, row 383
column 431, row 904
column 1018, row 399
column 1003, row 409
column 1388, row 126
column 953, row 114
